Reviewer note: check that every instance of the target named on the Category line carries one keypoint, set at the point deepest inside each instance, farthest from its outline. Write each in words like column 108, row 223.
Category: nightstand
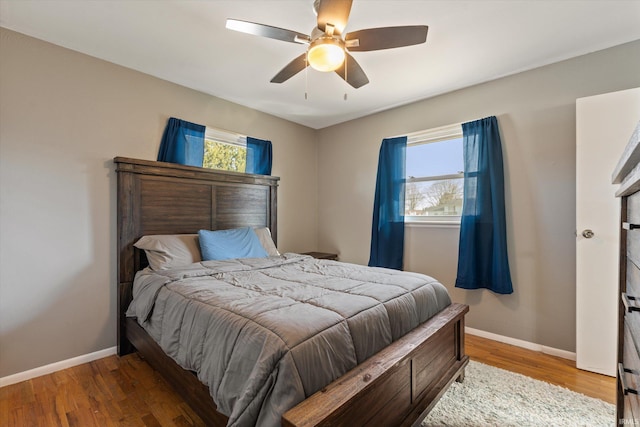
column 322, row 255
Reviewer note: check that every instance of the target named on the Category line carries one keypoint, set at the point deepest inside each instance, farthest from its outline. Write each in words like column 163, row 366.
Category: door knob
column 587, row 234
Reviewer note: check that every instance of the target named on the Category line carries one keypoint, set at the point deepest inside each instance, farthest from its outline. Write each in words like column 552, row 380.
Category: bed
column 397, row 385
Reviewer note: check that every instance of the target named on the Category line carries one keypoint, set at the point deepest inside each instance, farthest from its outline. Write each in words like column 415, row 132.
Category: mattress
column 264, row 334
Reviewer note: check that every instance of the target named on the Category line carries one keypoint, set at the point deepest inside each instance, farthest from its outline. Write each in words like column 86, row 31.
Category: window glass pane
column 436, row 158
column 220, row 155
column 435, row 182
column 434, row 198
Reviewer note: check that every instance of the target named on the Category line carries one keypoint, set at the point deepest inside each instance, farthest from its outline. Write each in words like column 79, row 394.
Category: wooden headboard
column 166, row 198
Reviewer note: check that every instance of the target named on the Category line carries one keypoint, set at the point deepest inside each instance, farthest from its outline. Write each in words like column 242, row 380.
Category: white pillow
column 264, row 234
column 170, row 250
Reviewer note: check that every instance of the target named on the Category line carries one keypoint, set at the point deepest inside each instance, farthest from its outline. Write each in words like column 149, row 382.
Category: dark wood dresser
column 627, row 174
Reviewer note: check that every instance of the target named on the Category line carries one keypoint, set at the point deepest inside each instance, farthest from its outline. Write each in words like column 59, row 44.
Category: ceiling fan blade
column 267, row 31
column 355, row 76
column 335, row 13
column 385, row 38
column 291, row 69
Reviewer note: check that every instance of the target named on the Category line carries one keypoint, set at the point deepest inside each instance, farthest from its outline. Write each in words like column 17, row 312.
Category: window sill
column 432, row 224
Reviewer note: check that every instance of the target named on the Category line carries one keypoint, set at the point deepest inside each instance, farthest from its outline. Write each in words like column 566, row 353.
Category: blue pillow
column 227, row 244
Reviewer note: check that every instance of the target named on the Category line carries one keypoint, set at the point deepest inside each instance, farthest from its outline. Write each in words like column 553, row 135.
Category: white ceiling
column 186, row 42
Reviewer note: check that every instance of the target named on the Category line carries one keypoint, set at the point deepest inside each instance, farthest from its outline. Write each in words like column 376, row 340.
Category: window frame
column 429, row 136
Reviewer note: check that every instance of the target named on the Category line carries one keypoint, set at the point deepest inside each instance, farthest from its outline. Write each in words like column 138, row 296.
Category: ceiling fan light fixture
column 326, row 53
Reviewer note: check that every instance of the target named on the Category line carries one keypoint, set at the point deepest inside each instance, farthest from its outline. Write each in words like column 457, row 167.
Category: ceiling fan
column 328, row 48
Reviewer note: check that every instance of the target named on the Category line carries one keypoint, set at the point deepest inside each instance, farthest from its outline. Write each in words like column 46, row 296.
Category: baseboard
column 64, row 364
column 57, row 366
column 521, row 343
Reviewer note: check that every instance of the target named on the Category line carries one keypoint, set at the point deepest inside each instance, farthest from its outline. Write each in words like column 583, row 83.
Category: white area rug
column 491, row 396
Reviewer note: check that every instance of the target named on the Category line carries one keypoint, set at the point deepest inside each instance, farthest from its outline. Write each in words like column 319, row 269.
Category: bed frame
column 397, row 386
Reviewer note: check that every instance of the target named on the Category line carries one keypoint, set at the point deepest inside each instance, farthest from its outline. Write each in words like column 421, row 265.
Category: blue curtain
column 387, row 230
column 183, row 143
column 259, row 156
column 482, row 254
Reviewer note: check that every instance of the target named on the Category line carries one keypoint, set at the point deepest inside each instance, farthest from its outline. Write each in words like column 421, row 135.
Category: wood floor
column 126, row 392
column 555, row 370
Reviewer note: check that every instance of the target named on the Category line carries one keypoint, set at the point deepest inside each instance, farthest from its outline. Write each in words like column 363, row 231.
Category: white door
column 604, row 124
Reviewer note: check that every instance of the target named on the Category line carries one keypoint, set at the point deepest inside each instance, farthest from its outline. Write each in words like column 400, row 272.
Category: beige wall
column 64, row 116
column 536, row 113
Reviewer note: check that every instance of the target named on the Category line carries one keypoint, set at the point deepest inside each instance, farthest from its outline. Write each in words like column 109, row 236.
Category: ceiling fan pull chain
column 345, row 75
column 306, row 80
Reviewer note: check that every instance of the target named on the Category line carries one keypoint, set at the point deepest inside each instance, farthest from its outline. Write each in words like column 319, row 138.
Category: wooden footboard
column 397, row 386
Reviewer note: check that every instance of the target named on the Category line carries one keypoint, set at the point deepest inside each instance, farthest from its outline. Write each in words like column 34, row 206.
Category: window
column 435, row 179
column 224, row 150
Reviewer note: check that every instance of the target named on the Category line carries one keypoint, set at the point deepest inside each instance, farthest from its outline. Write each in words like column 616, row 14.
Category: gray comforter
column 264, row 334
